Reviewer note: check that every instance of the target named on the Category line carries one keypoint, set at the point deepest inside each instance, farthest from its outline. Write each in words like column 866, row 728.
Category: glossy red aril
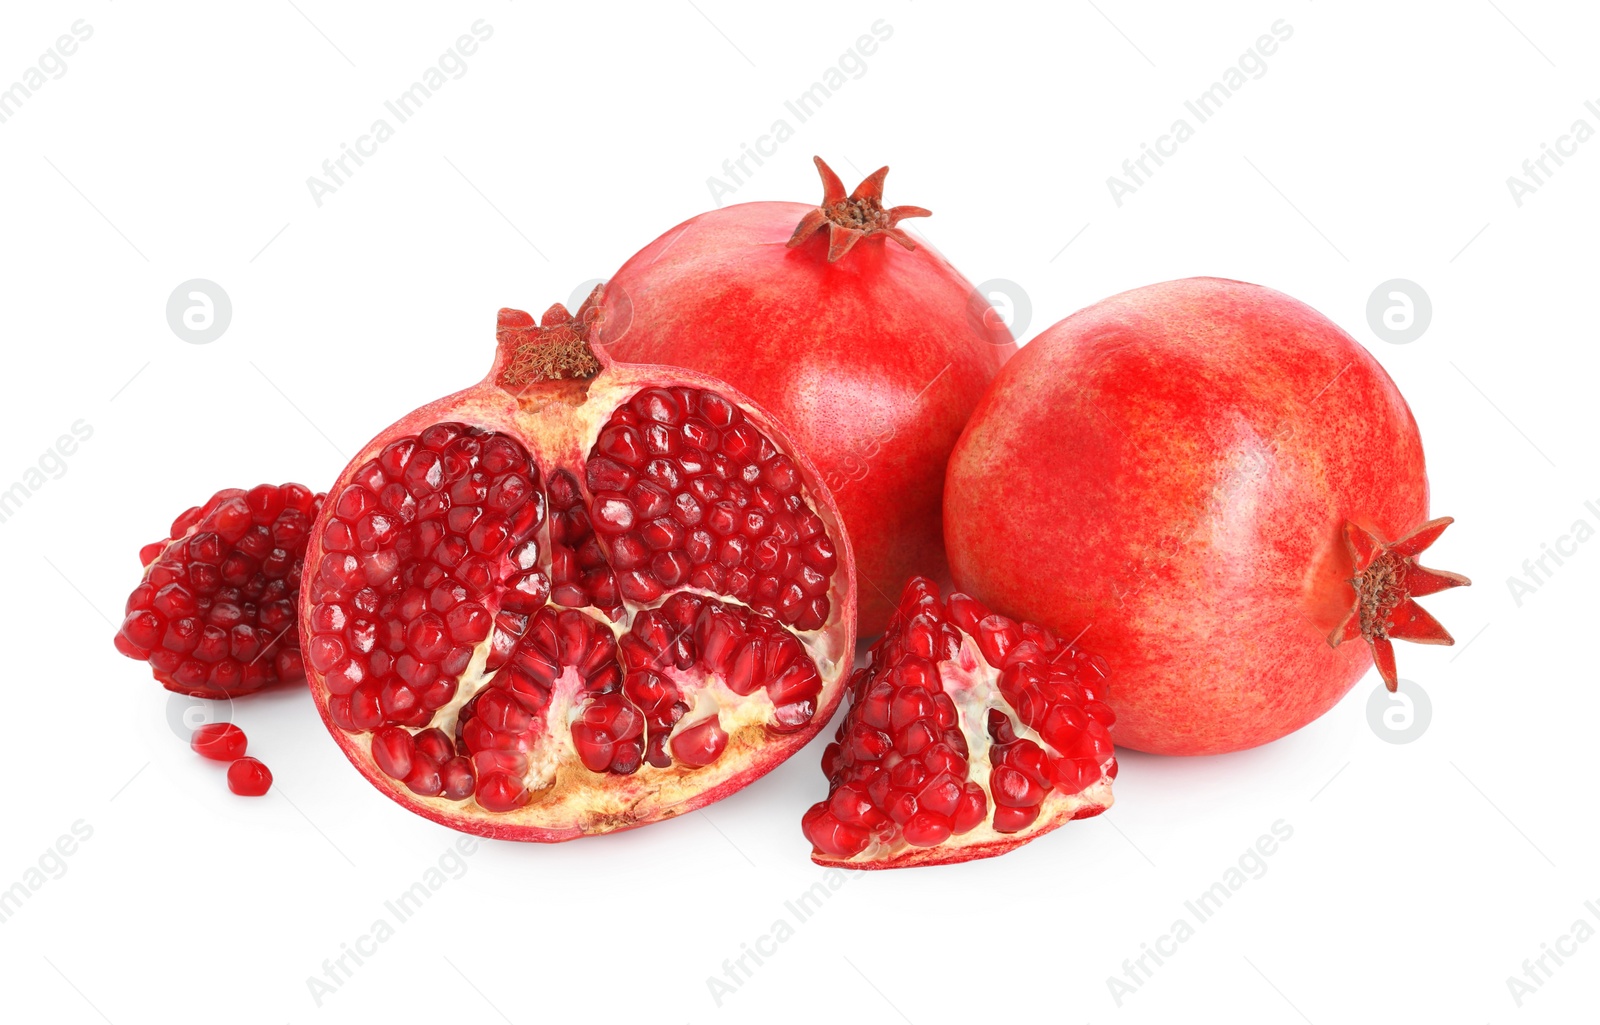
column 967, row 735
column 866, row 344
column 1219, row 485
column 215, row 615
column 219, row 741
column 247, row 777
column 577, row 597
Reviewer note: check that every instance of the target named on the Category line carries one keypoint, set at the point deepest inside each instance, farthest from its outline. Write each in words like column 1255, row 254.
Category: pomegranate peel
column 1387, row 578
column 967, row 735
column 849, row 219
column 578, row 597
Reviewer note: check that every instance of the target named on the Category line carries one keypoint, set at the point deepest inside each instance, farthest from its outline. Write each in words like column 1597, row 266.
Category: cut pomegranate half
column 215, row 613
column 577, row 597
column 968, row 734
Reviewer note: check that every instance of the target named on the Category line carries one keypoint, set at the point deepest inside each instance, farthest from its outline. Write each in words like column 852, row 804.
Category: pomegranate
column 864, row 342
column 1215, row 485
column 215, row 613
column 578, row 597
column 967, row 735
column 247, row 777
column 219, row 741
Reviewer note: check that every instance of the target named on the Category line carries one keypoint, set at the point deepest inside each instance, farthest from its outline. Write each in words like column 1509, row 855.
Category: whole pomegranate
column 864, row 343
column 967, row 735
column 576, row 597
column 1214, row 486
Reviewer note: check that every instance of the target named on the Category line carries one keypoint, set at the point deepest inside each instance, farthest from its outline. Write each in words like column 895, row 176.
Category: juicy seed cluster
column 687, row 492
column 423, row 539
column 579, row 571
column 215, row 613
column 941, row 739
column 629, row 700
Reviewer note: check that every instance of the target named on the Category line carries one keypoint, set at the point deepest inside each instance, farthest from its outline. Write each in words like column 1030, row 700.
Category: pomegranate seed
column 458, row 779
column 926, row 829
column 425, row 780
column 700, row 744
column 392, row 749
column 501, row 792
column 219, row 741
column 833, row 837
column 247, row 777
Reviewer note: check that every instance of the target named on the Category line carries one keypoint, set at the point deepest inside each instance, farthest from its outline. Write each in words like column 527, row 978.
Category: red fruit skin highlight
column 872, row 361
column 1168, row 474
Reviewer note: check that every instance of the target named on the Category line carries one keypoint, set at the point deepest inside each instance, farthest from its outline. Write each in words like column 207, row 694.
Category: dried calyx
column 1387, row 578
column 849, row 219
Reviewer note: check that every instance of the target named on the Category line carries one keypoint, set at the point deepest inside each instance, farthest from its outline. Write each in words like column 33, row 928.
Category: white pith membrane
column 566, row 798
column 1069, row 685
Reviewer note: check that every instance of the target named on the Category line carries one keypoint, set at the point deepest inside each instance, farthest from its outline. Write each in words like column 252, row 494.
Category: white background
column 1377, row 145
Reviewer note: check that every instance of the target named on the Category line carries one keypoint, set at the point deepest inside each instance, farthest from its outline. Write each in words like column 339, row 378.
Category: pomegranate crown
column 555, row 348
column 851, row 218
column 1387, row 578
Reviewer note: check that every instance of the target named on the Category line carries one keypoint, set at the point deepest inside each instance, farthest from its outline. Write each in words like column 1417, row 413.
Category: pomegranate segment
column 215, row 613
column 968, row 734
column 577, row 598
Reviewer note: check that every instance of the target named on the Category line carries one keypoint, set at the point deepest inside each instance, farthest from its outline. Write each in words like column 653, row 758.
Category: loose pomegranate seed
column 947, row 680
column 219, row 741
column 247, row 777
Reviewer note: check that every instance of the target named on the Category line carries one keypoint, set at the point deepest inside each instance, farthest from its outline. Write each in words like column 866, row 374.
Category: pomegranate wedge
column 967, row 735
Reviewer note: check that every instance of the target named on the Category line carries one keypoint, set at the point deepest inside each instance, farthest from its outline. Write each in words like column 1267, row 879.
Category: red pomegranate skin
column 1168, row 473
column 872, row 363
